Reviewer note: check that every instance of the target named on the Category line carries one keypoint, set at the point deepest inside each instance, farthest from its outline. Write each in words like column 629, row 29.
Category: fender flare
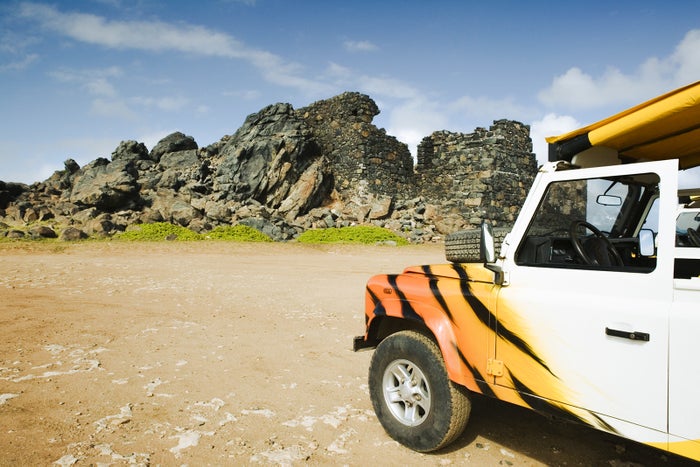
column 433, row 322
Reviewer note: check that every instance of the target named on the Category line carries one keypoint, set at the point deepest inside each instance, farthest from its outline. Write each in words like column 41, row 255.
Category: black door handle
column 634, row 335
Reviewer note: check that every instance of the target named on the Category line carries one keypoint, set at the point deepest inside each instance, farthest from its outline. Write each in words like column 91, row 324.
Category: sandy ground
column 223, row 354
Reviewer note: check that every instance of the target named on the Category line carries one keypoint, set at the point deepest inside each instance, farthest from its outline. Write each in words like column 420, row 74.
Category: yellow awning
column 666, row 127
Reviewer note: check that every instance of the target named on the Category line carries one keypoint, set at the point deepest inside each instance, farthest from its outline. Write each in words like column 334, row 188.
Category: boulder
column 10, row 192
column 72, row 234
column 174, row 142
column 130, row 151
column 104, row 185
column 42, row 231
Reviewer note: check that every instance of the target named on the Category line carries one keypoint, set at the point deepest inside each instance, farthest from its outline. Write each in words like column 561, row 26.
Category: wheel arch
column 435, row 326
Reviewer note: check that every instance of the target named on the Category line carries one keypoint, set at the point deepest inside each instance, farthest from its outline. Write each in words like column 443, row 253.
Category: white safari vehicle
column 589, row 311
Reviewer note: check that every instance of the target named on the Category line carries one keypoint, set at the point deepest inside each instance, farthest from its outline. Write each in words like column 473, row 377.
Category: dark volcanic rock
column 274, row 160
column 283, row 171
column 42, row 231
column 108, row 186
column 72, row 234
column 130, row 151
column 10, row 192
column 172, row 143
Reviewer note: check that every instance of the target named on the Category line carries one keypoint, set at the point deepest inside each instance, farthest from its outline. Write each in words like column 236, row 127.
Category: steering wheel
column 693, row 237
column 578, row 246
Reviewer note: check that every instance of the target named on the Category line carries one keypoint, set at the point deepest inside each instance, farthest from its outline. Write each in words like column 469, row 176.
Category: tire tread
column 459, row 406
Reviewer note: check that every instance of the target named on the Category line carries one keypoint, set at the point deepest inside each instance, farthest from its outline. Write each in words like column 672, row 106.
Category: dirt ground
column 212, row 353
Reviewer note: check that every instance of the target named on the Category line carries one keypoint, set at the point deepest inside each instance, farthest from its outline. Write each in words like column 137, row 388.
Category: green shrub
column 159, row 231
column 237, row 233
column 365, row 234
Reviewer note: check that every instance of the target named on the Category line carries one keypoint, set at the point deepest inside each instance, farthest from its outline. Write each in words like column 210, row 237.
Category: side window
column 688, row 228
column 593, row 223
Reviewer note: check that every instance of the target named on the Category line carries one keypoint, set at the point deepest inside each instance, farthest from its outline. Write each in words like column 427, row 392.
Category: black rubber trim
column 567, row 149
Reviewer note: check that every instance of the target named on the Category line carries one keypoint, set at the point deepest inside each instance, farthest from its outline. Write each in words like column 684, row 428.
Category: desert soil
column 224, row 354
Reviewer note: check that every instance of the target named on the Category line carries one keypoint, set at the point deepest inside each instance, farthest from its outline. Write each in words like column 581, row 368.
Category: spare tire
column 464, row 246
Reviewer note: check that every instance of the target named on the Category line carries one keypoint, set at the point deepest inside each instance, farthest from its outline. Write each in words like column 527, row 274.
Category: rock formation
column 283, row 171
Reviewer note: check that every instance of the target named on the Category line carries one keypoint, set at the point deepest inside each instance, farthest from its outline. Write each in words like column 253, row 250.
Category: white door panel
column 568, row 311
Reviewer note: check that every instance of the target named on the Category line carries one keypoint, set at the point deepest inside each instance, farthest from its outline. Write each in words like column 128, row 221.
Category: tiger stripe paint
column 446, row 299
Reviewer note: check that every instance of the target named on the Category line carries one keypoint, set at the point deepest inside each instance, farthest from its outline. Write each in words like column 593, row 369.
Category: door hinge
column 494, row 367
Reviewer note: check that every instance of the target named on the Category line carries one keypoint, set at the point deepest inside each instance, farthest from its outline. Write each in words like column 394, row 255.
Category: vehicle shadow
column 522, row 432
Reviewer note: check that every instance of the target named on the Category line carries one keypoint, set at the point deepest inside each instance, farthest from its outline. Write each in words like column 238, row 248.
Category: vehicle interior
column 594, row 224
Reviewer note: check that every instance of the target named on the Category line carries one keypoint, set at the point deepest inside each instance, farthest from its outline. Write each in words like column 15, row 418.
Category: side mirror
column 646, row 242
column 487, row 249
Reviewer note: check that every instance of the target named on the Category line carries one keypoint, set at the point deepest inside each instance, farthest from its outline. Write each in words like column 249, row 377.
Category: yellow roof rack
column 666, row 127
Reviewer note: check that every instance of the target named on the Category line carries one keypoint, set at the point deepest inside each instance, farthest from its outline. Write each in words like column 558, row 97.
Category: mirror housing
column 487, row 248
column 646, row 242
column 487, row 254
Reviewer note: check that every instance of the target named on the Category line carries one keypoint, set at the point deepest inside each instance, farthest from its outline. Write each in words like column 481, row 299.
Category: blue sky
column 77, row 77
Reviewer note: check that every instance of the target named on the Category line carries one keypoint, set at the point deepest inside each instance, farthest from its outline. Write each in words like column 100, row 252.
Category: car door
column 589, row 343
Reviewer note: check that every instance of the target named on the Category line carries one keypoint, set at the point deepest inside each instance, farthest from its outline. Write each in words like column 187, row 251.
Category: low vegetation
column 162, row 231
column 158, row 231
column 364, row 234
column 237, row 233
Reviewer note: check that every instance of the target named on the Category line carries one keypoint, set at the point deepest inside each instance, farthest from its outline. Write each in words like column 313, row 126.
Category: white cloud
column 487, row 109
column 338, row 71
column 168, row 104
column 687, row 59
column 144, row 35
column 158, row 36
column 244, row 94
column 95, row 81
column 386, row 86
column 414, row 119
column 549, row 125
column 112, row 108
column 101, row 87
column 360, row 46
column 21, row 64
column 578, row 90
column 689, row 178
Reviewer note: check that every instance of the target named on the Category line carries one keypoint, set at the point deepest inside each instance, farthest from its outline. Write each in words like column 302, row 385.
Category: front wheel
column 413, row 397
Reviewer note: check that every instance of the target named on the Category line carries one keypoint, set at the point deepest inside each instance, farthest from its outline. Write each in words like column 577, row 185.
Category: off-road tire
column 446, row 414
column 464, row 246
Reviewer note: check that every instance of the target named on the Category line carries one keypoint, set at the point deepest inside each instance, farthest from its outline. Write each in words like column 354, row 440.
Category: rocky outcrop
column 283, row 171
column 275, row 160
